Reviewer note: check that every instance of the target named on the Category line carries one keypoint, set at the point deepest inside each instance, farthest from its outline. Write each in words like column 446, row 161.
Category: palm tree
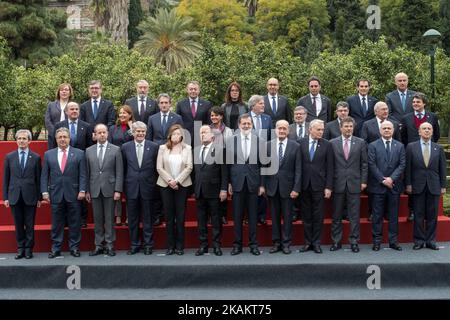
column 167, row 37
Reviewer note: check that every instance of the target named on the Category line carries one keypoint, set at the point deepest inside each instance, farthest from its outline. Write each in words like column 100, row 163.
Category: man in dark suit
column 425, row 181
column 193, row 109
column 143, row 106
column 139, row 161
column 317, row 183
column 350, row 178
column 104, row 167
column 318, row 106
column 243, row 152
column 386, row 159
column 283, row 185
column 371, row 129
column 361, row 105
column 412, row 121
column 63, row 184
column 400, row 100
column 21, row 180
column 97, row 110
column 300, row 128
column 276, row 106
column 211, row 184
column 333, row 128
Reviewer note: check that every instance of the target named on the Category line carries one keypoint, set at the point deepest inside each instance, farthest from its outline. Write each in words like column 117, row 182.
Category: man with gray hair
column 371, row 129
column 21, row 180
column 143, row 106
column 300, row 128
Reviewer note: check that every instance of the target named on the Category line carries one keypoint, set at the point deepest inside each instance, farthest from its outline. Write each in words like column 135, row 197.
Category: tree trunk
column 117, row 22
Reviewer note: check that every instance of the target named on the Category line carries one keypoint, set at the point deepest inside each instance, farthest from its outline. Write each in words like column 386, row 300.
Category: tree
column 7, row 88
column 111, row 16
column 444, row 15
column 169, row 40
column 251, row 5
column 155, row 5
column 135, row 16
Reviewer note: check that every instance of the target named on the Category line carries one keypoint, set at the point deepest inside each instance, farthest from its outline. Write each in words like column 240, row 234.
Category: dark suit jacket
column 155, row 131
column 395, row 105
column 106, row 113
column 352, row 172
column 287, row 177
column 418, row 175
column 332, row 130
column 326, row 112
column 140, row 181
column 227, row 113
column 151, row 108
column 211, row 177
column 266, row 124
column 293, row 132
column 202, row 114
column 283, row 110
column 52, row 116
column 317, row 173
column 356, row 113
column 371, row 132
column 117, row 137
column 410, row 133
column 16, row 182
column 67, row 185
column 84, row 134
column 380, row 166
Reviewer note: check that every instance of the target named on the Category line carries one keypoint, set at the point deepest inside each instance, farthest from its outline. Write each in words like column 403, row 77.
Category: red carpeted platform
column 43, row 223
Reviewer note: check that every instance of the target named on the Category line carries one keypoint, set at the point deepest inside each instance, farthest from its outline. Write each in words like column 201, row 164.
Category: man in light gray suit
column 104, row 168
column 350, row 178
column 400, row 100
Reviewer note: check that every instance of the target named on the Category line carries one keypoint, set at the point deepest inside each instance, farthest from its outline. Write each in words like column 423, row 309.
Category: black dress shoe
column 376, row 247
column 275, row 249
column 236, row 251
column 306, row 247
column 170, row 252
column 355, row 248
column 29, row 255
column 224, row 220
column 286, row 250
column 20, row 255
column 111, row 252
column 148, row 251
column 96, row 252
column 218, row 251
column 335, row 247
column 179, row 252
column 432, row 246
column 201, row 251
column 369, row 218
column 317, row 249
column 255, row 251
column 75, row 253
column 132, row 251
column 395, row 246
column 418, row 246
column 84, row 225
column 54, row 254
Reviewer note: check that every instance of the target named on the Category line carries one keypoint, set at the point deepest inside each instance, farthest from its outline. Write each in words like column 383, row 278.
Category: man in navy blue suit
column 425, row 181
column 361, row 105
column 63, row 184
column 142, row 105
column 275, row 105
column 139, row 160
column 400, row 100
column 386, row 159
column 97, row 109
column 21, row 180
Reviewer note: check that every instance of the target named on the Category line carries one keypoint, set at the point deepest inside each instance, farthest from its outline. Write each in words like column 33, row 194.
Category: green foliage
column 135, row 16
column 444, row 15
column 7, row 87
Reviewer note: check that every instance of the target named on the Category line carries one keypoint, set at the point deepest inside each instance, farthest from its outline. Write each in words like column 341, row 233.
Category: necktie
column 139, row 154
column 63, row 160
column 164, row 123
column 426, row 153
column 142, row 112
column 311, row 150
column 100, row 156
column 314, row 105
column 388, row 150
column 193, row 108
column 419, row 115
column 257, row 123
column 22, row 160
column 245, row 148
column 203, row 154
column 274, row 105
column 95, row 108
column 280, row 152
column 403, row 102
column 300, row 131
column 73, row 133
column 364, row 107
column 346, row 149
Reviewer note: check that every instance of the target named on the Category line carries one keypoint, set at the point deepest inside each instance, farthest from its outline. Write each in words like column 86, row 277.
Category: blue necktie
column 403, row 102
column 274, row 105
column 388, row 150
column 73, row 133
column 311, row 150
column 95, row 108
column 364, row 107
column 164, row 123
column 22, row 160
column 419, row 115
column 280, row 152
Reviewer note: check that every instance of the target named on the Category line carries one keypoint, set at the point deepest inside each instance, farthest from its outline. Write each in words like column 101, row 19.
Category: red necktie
column 63, row 160
column 193, row 108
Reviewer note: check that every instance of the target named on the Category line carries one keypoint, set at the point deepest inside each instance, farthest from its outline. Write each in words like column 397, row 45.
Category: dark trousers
column 84, row 211
column 157, row 204
column 24, row 222
column 245, row 200
column 281, row 208
column 353, row 201
column 223, row 208
column 390, row 201
column 262, row 208
column 312, row 206
column 60, row 212
column 174, row 202
column 211, row 205
column 135, row 209
column 425, row 207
